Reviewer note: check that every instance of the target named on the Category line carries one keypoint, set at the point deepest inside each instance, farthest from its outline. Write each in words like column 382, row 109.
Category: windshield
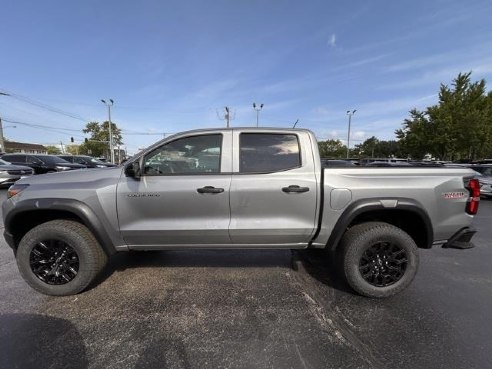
column 93, row 160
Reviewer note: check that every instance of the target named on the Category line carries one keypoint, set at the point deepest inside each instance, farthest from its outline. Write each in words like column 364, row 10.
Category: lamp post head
column 103, row 101
column 261, row 106
column 112, row 102
column 4, row 94
column 254, row 105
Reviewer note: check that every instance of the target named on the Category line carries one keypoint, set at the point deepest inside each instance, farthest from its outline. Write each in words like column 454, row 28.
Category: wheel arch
column 28, row 214
column 407, row 214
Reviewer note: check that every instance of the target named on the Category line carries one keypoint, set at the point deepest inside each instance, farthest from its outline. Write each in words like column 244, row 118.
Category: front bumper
column 485, row 189
column 461, row 239
column 9, row 238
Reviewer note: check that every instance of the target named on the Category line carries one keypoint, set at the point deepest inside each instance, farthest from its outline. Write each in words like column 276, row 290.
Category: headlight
column 100, row 166
column 61, row 168
column 3, row 171
column 15, row 189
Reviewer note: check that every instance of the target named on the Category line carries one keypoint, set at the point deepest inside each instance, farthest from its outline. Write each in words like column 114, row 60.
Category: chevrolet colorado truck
column 239, row 188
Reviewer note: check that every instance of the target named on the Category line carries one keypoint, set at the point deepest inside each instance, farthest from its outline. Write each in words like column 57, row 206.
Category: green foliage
column 72, row 149
column 98, row 143
column 53, row 150
column 374, row 148
column 458, row 127
column 332, row 149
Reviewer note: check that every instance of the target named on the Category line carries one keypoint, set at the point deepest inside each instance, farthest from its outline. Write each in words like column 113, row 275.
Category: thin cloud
column 332, row 42
column 419, row 62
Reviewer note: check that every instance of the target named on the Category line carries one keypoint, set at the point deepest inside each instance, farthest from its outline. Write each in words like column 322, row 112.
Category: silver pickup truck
column 238, row 188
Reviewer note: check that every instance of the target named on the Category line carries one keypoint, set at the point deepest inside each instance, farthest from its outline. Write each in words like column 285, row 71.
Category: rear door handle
column 295, row 188
column 209, row 189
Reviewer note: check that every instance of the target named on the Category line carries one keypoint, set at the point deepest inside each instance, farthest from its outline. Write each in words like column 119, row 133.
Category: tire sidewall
column 74, row 240
column 364, row 241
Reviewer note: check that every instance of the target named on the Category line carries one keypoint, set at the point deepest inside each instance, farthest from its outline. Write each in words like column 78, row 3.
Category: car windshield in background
column 3, row 162
column 51, row 159
column 94, row 160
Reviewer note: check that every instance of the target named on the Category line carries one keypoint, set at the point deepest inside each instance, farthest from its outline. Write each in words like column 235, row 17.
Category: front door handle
column 295, row 189
column 209, row 189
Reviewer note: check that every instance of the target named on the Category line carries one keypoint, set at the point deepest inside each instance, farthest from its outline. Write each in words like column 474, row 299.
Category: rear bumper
column 461, row 239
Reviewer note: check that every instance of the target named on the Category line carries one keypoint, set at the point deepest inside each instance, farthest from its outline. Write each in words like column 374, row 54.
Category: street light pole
column 109, row 105
column 257, row 108
column 349, row 113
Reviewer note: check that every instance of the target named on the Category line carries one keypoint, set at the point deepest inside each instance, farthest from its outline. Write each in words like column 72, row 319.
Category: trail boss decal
column 137, row 194
column 453, row 195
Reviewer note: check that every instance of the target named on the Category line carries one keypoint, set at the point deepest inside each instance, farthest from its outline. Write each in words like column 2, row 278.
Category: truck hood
column 75, row 178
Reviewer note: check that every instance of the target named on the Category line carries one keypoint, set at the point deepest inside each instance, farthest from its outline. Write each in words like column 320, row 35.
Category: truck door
column 273, row 190
column 182, row 197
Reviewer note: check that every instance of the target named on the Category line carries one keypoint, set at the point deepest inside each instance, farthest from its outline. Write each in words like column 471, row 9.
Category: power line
column 47, row 128
column 46, row 106
column 35, row 125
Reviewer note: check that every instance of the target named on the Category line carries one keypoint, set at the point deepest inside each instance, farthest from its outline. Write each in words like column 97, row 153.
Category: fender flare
column 366, row 205
column 80, row 209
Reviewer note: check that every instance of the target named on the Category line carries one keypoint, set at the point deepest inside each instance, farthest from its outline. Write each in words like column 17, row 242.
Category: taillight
column 474, row 199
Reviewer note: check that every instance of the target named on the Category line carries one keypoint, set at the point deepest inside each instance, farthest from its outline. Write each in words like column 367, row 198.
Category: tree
column 53, row 150
column 332, row 149
column 72, row 149
column 98, row 143
column 459, row 126
column 375, row 148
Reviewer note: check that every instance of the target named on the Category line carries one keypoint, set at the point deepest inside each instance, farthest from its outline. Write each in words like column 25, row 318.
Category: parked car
column 86, row 160
column 268, row 190
column 485, row 178
column 10, row 173
column 329, row 163
column 41, row 163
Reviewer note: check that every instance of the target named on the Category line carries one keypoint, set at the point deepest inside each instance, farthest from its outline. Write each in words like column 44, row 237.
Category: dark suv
column 41, row 163
column 86, row 160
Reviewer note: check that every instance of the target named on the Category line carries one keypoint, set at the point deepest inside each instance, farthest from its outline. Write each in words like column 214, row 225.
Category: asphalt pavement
column 253, row 309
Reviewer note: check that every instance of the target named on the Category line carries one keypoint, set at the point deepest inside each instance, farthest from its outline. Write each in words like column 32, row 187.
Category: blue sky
column 171, row 65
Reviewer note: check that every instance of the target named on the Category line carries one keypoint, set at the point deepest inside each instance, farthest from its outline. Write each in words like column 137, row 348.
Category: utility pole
column 228, row 116
column 257, row 108
column 349, row 113
column 2, row 141
column 109, row 105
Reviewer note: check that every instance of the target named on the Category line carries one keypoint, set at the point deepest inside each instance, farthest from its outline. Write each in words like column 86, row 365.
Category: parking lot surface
column 253, row 309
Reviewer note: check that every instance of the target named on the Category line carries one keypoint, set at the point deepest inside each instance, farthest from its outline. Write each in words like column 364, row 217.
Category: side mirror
column 133, row 170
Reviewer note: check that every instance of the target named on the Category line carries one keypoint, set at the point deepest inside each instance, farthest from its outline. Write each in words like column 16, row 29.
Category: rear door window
column 15, row 158
column 268, row 152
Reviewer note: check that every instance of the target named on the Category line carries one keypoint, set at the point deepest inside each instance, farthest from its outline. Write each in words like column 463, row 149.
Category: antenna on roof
column 297, row 121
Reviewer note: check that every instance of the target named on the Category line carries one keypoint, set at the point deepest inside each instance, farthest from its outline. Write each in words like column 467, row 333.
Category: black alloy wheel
column 60, row 257
column 379, row 259
column 383, row 264
column 54, row 262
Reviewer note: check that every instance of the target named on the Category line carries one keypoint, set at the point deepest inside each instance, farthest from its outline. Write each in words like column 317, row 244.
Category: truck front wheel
column 59, row 257
column 379, row 259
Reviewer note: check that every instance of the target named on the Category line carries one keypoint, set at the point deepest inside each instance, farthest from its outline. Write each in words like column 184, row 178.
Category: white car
column 10, row 173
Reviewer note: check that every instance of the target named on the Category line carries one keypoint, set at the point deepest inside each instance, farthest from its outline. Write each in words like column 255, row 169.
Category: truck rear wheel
column 60, row 257
column 379, row 259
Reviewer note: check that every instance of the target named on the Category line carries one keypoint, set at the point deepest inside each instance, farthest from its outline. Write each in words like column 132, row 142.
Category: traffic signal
column 71, row 139
column 86, row 140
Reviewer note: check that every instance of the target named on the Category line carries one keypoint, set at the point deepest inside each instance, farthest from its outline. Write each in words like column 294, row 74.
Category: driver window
column 189, row 155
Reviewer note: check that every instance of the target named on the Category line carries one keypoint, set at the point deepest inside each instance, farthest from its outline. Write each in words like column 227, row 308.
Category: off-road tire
column 358, row 239
column 91, row 256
